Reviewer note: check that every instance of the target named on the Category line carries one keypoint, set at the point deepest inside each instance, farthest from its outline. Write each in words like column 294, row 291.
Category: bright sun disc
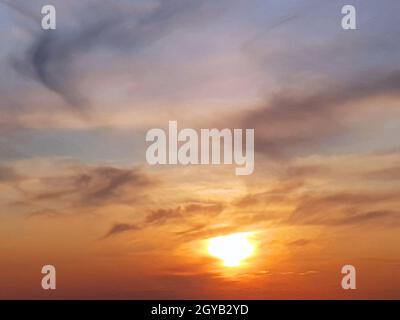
column 232, row 249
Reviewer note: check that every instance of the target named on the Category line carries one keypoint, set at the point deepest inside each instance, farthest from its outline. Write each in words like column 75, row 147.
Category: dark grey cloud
column 281, row 192
column 207, row 231
column 46, row 212
column 346, row 208
column 104, row 183
column 388, row 217
column 94, row 25
column 299, row 243
column 162, row 216
column 392, row 174
column 8, row 174
column 95, row 186
column 292, row 121
column 311, row 76
column 121, row 227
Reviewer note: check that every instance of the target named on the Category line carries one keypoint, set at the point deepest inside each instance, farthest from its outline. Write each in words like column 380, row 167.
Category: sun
column 231, row 249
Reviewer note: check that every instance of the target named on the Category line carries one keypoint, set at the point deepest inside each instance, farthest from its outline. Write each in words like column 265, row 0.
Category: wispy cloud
column 50, row 57
column 119, row 228
column 8, row 174
column 98, row 185
column 292, row 121
column 161, row 217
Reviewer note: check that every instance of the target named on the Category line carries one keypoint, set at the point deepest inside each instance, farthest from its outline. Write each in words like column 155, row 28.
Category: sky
column 76, row 191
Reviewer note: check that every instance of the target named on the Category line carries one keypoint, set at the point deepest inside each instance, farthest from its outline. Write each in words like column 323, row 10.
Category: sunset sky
column 76, row 191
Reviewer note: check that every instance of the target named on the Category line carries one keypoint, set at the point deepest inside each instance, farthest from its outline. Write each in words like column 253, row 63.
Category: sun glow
column 232, row 249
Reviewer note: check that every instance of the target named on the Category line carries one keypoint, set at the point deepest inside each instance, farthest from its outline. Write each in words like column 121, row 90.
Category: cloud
column 392, row 173
column 119, row 228
column 346, row 208
column 104, row 183
column 93, row 187
column 46, row 212
column 388, row 217
column 208, row 230
column 292, row 121
column 8, row 174
column 325, row 191
column 161, row 216
column 308, row 272
column 299, row 243
column 280, row 192
column 121, row 27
